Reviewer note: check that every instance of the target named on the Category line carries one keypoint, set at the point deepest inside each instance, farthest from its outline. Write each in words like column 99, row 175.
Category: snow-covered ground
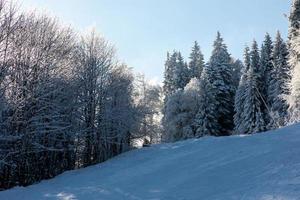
column 260, row 167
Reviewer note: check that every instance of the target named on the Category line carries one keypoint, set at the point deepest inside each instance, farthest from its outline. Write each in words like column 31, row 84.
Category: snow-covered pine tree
column 168, row 76
column 294, row 61
column 253, row 115
column 176, row 75
column 176, row 78
column 181, row 73
column 168, row 90
column 266, row 66
column 205, row 122
column 239, row 121
column 196, row 63
column 294, row 19
column 237, row 67
column 219, row 74
column 294, row 33
column 278, row 87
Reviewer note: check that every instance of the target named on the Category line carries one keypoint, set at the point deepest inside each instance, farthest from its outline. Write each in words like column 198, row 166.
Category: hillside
column 260, row 167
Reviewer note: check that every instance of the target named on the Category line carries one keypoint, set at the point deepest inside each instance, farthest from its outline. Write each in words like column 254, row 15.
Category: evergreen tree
column 219, row 74
column 294, row 55
column 196, row 64
column 176, row 78
column 278, row 87
column 237, row 67
column 294, row 30
column 176, row 73
column 253, row 116
column 239, row 121
column 168, row 75
column 294, row 19
column 205, row 122
column 266, row 64
column 181, row 74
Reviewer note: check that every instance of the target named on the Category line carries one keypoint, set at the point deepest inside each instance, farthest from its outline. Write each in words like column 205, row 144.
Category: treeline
column 226, row 96
column 65, row 100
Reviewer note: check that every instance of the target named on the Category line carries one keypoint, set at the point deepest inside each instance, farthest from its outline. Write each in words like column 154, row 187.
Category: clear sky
column 144, row 30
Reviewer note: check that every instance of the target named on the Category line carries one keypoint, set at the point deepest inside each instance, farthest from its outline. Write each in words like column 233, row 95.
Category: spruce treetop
column 254, row 55
column 196, row 63
column 247, row 58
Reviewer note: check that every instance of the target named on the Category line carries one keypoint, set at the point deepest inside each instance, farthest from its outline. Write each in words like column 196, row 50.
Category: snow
column 259, row 167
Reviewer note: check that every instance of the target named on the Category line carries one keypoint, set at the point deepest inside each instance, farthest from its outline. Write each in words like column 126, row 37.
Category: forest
column 67, row 102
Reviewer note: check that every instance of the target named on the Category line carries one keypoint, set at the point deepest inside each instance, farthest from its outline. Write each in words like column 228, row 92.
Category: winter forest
column 67, row 102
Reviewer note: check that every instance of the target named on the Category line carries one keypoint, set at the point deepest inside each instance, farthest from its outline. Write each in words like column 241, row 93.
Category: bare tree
column 39, row 53
column 95, row 59
column 65, row 101
column 148, row 104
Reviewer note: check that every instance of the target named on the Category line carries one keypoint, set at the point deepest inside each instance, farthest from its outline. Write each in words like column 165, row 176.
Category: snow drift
column 260, row 167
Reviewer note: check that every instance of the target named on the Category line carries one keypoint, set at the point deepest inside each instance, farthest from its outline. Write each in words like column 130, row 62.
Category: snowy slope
column 260, row 167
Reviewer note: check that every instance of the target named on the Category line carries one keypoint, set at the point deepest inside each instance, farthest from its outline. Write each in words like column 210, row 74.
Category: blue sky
column 144, row 30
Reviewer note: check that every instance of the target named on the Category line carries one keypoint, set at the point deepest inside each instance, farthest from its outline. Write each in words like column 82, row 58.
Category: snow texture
column 259, row 167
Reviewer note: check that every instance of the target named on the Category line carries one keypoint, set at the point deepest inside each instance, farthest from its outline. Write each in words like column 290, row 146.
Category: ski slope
column 260, row 167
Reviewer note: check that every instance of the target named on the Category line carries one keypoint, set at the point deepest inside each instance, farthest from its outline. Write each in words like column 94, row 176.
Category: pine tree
column 168, row 75
column 294, row 20
column 205, row 122
column 278, row 87
column 181, row 74
column 266, row 64
column 294, row 61
column 294, row 33
column 196, row 64
column 176, row 73
column 219, row 73
column 253, row 115
column 176, row 78
column 239, row 121
column 237, row 67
